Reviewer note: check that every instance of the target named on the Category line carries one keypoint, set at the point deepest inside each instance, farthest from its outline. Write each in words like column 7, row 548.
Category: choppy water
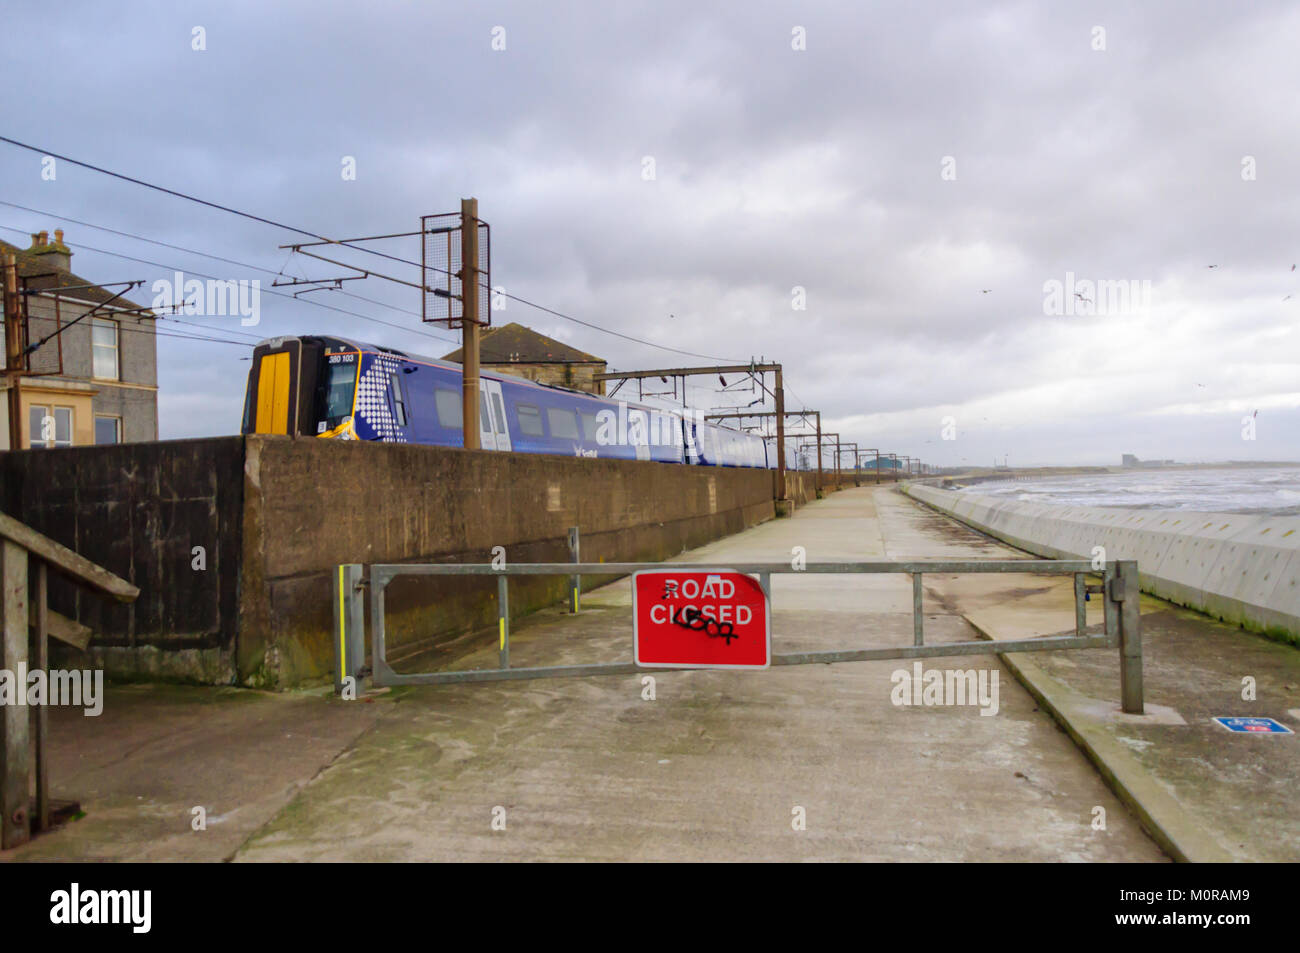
column 1266, row 490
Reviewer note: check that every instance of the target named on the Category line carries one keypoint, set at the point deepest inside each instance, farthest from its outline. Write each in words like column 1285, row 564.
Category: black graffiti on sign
column 694, row 619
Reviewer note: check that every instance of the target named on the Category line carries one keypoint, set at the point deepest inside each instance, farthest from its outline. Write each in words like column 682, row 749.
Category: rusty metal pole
column 13, row 349
column 469, row 291
column 778, row 393
column 820, row 475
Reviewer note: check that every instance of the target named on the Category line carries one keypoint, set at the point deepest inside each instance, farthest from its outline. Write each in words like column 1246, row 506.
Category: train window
column 340, row 387
column 530, row 420
column 589, row 427
column 449, row 409
column 399, row 405
column 484, row 416
column 500, row 413
column 564, row 426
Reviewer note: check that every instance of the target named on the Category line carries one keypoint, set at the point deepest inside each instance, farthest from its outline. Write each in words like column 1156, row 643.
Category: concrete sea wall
column 312, row 504
column 1243, row 569
column 233, row 540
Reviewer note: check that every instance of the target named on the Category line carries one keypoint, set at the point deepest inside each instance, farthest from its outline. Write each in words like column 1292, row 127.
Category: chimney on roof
column 54, row 254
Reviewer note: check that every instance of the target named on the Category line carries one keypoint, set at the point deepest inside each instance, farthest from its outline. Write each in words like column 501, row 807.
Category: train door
column 272, row 402
column 487, row 435
column 490, row 395
column 273, row 380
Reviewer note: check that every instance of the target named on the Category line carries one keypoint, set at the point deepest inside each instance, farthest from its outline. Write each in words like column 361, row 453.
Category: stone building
column 515, row 349
column 96, row 379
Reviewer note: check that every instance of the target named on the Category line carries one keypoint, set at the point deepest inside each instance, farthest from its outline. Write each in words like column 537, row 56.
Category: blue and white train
column 335, row 388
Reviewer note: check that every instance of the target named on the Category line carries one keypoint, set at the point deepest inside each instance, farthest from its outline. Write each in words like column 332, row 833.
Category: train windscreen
column 337, row 388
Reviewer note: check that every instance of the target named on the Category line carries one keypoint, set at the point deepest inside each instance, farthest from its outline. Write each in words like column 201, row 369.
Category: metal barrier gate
column 1119, row 590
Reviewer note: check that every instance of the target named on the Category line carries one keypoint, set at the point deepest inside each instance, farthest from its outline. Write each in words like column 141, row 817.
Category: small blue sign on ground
column 1262, row 726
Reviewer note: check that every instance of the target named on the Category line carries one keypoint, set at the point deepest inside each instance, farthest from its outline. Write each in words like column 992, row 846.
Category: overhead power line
column 228, row 261
column 279, row 294
column 370, row 251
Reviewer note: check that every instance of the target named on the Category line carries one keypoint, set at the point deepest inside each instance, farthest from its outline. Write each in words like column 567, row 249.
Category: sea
column 1271, row 491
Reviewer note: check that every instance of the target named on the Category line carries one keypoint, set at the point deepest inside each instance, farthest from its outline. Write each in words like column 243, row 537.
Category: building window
column 49, row 426
column 103, row 340
column 108, row 429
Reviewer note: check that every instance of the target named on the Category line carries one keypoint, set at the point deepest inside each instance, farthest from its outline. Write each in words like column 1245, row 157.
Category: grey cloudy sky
column 1172, row 148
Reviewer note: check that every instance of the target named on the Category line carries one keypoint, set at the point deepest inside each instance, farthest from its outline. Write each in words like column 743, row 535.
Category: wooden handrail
column 71, row 564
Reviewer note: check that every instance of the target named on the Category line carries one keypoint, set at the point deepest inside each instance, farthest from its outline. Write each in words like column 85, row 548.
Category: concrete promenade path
column 717, row 766
column 1208, row 794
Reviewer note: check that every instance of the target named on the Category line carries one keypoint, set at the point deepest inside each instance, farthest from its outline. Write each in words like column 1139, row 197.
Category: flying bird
column 1287, row 298
column 985, row 291
column 1211, row 266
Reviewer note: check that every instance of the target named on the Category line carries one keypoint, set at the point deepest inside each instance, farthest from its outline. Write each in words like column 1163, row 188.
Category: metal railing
column 1119, row 590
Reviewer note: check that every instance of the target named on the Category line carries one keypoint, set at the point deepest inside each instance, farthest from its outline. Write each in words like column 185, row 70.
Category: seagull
column 1211, row 266
column 985, row 291
column 1080, row 295
column 1293, row 267
column 1200, row 385
column 1287, row 298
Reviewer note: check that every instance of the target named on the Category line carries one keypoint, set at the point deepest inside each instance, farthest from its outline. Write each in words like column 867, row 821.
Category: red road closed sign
column 700, row 618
